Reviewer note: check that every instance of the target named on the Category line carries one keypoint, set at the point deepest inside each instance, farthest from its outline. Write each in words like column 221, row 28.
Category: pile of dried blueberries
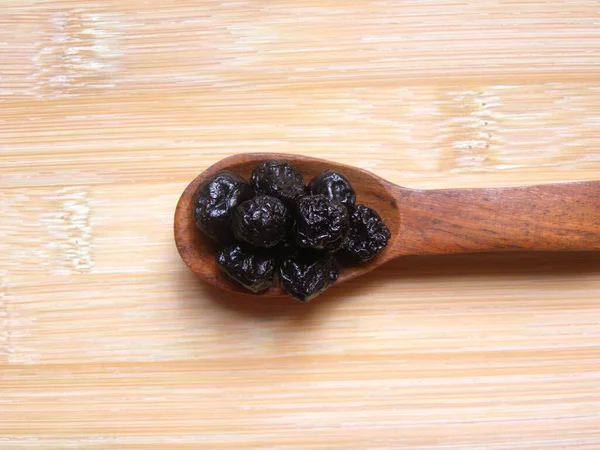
column 276, row 223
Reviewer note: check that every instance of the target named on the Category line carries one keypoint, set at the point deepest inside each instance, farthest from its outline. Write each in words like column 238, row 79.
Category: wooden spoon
column 422, row 222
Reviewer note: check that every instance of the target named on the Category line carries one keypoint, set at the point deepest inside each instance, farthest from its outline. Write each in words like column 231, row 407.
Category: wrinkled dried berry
column 217, row 196
column 253, row 270
column 278, row 179
column 321, row 223
column 334, row 186
column 307, row 275
column 261, row 221
column 368, row 235
column 280, row 222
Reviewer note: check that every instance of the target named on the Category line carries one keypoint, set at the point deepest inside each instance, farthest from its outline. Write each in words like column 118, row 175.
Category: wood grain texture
column 559, row 216
column 109, row 109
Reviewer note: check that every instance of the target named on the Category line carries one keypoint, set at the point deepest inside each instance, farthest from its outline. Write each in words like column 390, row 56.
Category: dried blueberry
column 308, row 275
column 253, row 270
column 278, row 179
column 217, row 196
column 280, row 222
column 334, row 186
column 368, row 235
column 321, row 223
column 261, row 221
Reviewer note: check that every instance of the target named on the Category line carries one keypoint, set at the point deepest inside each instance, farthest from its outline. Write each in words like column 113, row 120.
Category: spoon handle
column 562, row 216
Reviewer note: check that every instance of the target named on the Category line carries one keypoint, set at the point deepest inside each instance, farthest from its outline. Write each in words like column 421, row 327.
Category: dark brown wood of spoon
column 563, row 216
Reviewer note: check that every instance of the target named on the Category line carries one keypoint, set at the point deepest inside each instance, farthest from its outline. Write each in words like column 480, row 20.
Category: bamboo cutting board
column 109, row 108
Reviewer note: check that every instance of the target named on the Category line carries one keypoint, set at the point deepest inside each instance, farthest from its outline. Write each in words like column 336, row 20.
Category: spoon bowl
column 564, row 216
column 198, row 251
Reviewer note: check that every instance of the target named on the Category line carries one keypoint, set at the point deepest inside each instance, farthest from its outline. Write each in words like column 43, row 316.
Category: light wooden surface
column 109, row 108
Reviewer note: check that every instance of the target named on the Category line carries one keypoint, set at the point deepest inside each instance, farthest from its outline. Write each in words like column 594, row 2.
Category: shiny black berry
column 262, row 221
column 334, row 186
column 320, row 223
column 308, row 274
column 253, row 270
column 368, row 235
column 278, row 179
column 217, row 196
